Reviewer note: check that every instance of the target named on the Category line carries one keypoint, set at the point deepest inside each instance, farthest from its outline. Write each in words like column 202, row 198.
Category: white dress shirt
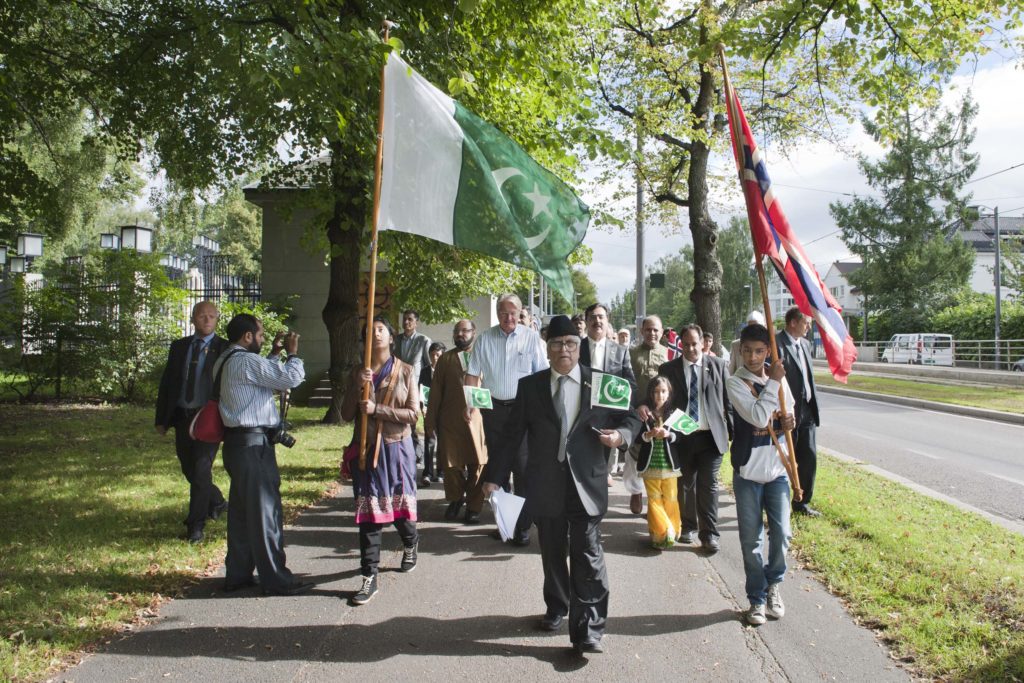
column 571, row 392
column 597, row 349
column 801, row 358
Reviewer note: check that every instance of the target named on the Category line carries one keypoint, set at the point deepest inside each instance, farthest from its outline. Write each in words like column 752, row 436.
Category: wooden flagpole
column 371, row 289
column 790, row 461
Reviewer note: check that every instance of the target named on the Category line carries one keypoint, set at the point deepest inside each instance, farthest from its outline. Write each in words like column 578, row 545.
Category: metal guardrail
column 967, row 353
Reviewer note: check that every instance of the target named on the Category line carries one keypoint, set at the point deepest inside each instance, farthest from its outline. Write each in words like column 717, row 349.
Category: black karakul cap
column 561, row 326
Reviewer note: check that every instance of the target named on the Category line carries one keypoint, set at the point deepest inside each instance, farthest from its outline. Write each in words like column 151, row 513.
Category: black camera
column 280, row 435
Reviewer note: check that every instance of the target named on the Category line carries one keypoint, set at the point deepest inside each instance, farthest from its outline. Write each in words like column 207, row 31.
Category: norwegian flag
column 672, row 344
column 774, row 238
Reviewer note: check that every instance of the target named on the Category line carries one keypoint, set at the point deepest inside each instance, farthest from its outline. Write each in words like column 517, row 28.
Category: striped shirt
column 500, row 360
column 247, row 387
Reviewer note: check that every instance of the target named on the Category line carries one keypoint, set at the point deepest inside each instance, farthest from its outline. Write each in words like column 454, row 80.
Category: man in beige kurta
column 460, row 445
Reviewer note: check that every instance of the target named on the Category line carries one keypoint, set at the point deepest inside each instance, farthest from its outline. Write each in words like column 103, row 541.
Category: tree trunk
column 341, row 312
column 707, row 271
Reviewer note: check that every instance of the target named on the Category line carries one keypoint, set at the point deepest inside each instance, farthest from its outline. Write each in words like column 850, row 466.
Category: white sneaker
column 755, row 615
column 776, row 609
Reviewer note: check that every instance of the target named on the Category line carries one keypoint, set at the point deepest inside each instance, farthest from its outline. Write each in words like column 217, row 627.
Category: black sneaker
column 366, row 593
column 409, row 558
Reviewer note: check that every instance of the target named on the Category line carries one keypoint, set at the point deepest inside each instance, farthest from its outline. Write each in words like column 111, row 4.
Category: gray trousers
column 255, row 519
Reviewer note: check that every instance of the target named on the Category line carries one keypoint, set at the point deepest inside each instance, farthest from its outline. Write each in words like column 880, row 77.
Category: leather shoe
column 232, row 586
column 219, row 510
column 472, row 517
column 807, row 510
column 294, row 588
column 687, row 537
column 711, row 546
column 195, row 535
column 551, row 622
column 636, row 503
column 452, row 512
column 521, row 541
column 589, row 646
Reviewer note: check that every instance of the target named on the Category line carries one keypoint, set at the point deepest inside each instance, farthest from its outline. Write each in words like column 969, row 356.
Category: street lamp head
column 136, row 238
column 109, row 240
column 30, row 244
column 18, row 264
column 3, row 256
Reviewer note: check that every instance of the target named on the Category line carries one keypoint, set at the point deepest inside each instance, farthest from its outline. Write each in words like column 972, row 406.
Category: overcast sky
column 807, row 181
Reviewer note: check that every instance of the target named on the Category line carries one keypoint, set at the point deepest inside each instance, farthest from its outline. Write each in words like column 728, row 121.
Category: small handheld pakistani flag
column 426, row 394
column 477, row 397
column 452, row 177
column 610, row 392
column 681, row 422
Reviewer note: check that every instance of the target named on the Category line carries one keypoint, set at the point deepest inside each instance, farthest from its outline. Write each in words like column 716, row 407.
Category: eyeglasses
column 570, row 345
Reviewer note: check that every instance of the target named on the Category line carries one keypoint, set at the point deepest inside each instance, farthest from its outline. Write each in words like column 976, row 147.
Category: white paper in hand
column 507, row 507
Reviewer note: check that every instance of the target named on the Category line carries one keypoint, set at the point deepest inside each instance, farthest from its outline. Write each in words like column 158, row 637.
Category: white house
column 981, row 235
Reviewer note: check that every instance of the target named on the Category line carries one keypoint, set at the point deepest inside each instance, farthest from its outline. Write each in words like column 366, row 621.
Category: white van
column 919, row 349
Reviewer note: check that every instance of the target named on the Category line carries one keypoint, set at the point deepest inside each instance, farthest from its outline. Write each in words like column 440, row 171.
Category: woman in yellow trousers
column 657, row 463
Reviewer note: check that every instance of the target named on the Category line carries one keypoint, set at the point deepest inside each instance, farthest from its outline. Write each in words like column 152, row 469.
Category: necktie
column 804, row 370
column 563, row 416
column 193, row 365
column 693, row 402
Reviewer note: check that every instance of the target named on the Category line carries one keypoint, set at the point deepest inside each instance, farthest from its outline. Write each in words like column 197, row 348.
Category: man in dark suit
column 600, row 353
column 698, row 389
column 795, row 352
column 568, row 493
column 184, row 388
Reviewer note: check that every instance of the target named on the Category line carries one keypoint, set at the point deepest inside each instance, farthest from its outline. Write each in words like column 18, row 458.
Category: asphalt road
column 978, row 462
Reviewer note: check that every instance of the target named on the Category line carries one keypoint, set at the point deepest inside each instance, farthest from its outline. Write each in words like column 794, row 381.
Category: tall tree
column 217, row 89
column 798, row 64
column 913, row 262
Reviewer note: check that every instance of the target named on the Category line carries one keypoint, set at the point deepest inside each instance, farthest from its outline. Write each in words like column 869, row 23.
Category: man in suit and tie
column 603, row 354
column 796, row 356
column 567, row 469
column 185, row 388
column 698, row 389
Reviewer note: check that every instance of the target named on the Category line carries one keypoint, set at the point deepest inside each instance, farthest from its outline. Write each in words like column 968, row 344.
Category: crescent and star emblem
column 540, row 202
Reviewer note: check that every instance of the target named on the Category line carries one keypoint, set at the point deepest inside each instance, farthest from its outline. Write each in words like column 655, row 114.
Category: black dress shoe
column 807, row 510
column 551, row 622
column 294, row 588
column 521, row 541
column 711, row 546
column 452, row 512
column 194, row 535
column 589, row 646
column 219, row 510
column 232, row 586
column 472, row 517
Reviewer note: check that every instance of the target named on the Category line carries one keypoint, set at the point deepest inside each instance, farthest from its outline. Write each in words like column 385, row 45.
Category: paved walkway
column 469, row 612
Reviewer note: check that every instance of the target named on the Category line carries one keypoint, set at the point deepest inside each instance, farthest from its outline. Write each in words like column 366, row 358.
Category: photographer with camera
column 252, row 426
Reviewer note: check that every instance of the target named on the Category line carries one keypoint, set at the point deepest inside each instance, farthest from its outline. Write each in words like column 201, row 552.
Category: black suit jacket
column 795, row 379
column 533, row 414
column 716, row 398
column 175, row 372
column 616, row 362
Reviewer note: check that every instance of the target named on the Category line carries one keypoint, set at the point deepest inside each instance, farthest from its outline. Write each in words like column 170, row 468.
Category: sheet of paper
column 507, row 507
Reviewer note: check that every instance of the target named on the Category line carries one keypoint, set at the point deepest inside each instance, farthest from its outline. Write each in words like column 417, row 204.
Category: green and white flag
column 452, row 177
column 681, row 422
column 425, row 393
column 477, row 397
column 610, row 392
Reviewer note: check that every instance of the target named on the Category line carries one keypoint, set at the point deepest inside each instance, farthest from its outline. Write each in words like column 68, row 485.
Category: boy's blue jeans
column 752, row 501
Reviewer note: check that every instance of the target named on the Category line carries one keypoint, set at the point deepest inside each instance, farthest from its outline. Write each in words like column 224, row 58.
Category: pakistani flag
column 610, row 392
column 477, row 397
column 681, row 422
column 451, row 176
column 425, row 392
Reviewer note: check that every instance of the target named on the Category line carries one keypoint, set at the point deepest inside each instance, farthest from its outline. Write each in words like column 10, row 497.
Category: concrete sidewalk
column 470, row 610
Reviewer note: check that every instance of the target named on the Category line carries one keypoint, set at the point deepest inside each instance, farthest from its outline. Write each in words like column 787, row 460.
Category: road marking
column 1018, row 482
column 927, row 455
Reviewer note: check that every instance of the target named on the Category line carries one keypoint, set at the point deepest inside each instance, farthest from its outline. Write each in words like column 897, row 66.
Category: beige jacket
column 393, row 417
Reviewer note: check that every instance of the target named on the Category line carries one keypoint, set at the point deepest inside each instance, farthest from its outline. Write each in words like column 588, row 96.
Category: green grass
column 1007, row 399
column 93, row 501
column 944, row 587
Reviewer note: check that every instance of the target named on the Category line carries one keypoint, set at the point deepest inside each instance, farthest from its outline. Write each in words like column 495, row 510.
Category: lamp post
column 975, row 212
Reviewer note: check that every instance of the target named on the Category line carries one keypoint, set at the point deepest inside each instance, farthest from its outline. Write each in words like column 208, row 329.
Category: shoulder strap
column 215, row 395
